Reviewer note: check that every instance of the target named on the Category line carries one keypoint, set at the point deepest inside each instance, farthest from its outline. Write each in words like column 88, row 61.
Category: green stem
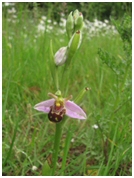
column 56, row 77
column 66, row 148
column 56, row 145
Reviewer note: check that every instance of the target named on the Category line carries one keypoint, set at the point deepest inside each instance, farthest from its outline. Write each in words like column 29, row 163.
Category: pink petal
column 45, row 105
column 74, row 111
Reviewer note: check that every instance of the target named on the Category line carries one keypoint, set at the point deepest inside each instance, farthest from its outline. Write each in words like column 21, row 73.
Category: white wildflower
column 34, row 168
column 95, row 126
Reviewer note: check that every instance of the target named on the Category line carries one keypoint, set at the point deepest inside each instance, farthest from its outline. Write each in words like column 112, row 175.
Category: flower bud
column 60, row 56
column 75, row 41
column 79, row 22
column 70, row 25
column 76, row 14
column 73, row 45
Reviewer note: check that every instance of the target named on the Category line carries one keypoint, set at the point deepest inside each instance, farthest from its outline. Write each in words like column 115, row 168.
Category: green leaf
column 46, row 170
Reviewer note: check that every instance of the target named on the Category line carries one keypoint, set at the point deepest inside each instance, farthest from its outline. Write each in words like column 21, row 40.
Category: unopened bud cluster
column 74, row 26
column 74, row 23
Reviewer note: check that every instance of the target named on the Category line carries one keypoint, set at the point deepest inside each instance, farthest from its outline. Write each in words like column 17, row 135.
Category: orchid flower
column 58, row 106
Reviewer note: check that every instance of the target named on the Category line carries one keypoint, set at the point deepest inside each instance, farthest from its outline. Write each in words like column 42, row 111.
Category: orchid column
column 58, row 108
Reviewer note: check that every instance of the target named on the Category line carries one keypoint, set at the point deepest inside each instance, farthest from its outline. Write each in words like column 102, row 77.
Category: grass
column 28, row 135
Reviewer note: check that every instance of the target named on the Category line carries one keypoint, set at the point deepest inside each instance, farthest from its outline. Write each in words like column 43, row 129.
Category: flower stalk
column 56, row 146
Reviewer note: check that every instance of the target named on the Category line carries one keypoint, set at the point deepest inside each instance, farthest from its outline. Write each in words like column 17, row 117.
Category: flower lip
column 71, row 109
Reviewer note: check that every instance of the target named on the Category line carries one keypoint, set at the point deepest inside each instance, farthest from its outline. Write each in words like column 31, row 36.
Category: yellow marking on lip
column 58, row 104
column 56, row 119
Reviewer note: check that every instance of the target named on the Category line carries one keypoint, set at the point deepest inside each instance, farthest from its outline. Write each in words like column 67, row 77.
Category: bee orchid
column 58, row 106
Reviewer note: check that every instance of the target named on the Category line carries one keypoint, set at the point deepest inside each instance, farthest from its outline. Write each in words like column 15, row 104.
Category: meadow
column 97, row 146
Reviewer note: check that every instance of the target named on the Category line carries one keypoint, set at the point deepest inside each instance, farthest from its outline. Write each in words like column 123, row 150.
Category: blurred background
column 90, row 10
